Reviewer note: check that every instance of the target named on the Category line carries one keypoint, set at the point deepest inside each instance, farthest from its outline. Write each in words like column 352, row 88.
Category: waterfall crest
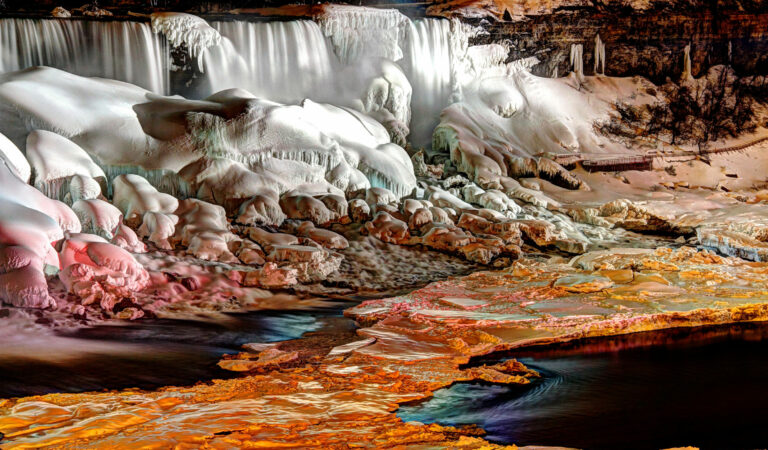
column 119, row 50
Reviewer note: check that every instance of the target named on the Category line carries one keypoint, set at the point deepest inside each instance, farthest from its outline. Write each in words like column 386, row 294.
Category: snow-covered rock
column 55, row 160
column 158, row 228
column 134, row 196
column 98, row 217
column 97, row 271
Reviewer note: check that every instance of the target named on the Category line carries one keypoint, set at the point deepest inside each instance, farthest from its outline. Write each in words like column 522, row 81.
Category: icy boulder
column 159, row 228
column 29, row 224
column 134, row 196
column 181, row 28
column 261, row 210
column 55, row 160
column 98, row 217
column 203, row 228
column 97, row 271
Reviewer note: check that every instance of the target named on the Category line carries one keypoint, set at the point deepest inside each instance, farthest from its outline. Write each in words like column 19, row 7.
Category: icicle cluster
column 577, row 59
column 599, row 55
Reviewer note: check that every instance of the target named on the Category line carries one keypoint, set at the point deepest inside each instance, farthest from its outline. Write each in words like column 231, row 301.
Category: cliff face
column 650, row 44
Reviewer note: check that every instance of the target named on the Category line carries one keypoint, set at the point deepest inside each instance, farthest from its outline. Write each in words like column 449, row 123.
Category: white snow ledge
column 181, row 28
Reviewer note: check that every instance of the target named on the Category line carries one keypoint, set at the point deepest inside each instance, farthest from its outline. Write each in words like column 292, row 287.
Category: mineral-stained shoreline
column 342, row 391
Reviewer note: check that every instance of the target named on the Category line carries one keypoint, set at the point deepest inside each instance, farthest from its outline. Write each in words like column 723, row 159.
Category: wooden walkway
column 640, row 162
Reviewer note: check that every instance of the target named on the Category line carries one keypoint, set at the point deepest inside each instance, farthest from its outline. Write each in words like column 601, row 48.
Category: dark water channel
column 705, row 387
column 158, row 352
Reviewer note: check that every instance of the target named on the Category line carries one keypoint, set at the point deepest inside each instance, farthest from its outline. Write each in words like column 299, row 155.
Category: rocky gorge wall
column 649, row 44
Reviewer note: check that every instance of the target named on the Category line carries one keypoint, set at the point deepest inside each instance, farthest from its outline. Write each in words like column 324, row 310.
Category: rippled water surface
column 155, row 352
column 703, row 387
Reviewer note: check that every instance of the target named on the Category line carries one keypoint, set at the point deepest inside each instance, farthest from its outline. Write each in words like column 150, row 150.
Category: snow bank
column 506, row 119
column 226, row 149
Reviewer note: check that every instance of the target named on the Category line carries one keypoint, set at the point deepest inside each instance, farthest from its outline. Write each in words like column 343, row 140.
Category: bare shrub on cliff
column 695, row 112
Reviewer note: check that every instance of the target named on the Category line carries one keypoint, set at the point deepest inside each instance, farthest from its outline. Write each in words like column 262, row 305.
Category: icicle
column 730, row 52
column 687, row 64
column 577, row 60
column 599, row 56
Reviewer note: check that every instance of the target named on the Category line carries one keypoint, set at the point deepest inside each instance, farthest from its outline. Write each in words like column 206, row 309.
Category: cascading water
column 282, row 61
column 291, row 61
column 432, row 82
column 120, row 50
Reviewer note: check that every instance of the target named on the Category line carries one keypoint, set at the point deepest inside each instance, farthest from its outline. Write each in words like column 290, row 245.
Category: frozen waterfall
column 290, row 61
column 377, row 61
column 283, row 61
column 119, row 50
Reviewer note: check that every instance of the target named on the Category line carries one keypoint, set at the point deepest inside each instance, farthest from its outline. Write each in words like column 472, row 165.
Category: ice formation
column 577, row 59
column 232, row 145
column 687, row 74
column 357, row 32
column 192, row 31
column 599, row 56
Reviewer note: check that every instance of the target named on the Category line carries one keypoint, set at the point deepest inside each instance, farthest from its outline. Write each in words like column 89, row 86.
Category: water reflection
column 703, row 387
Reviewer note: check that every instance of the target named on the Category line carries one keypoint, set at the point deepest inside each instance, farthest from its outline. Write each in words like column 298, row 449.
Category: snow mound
column 506, row 119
